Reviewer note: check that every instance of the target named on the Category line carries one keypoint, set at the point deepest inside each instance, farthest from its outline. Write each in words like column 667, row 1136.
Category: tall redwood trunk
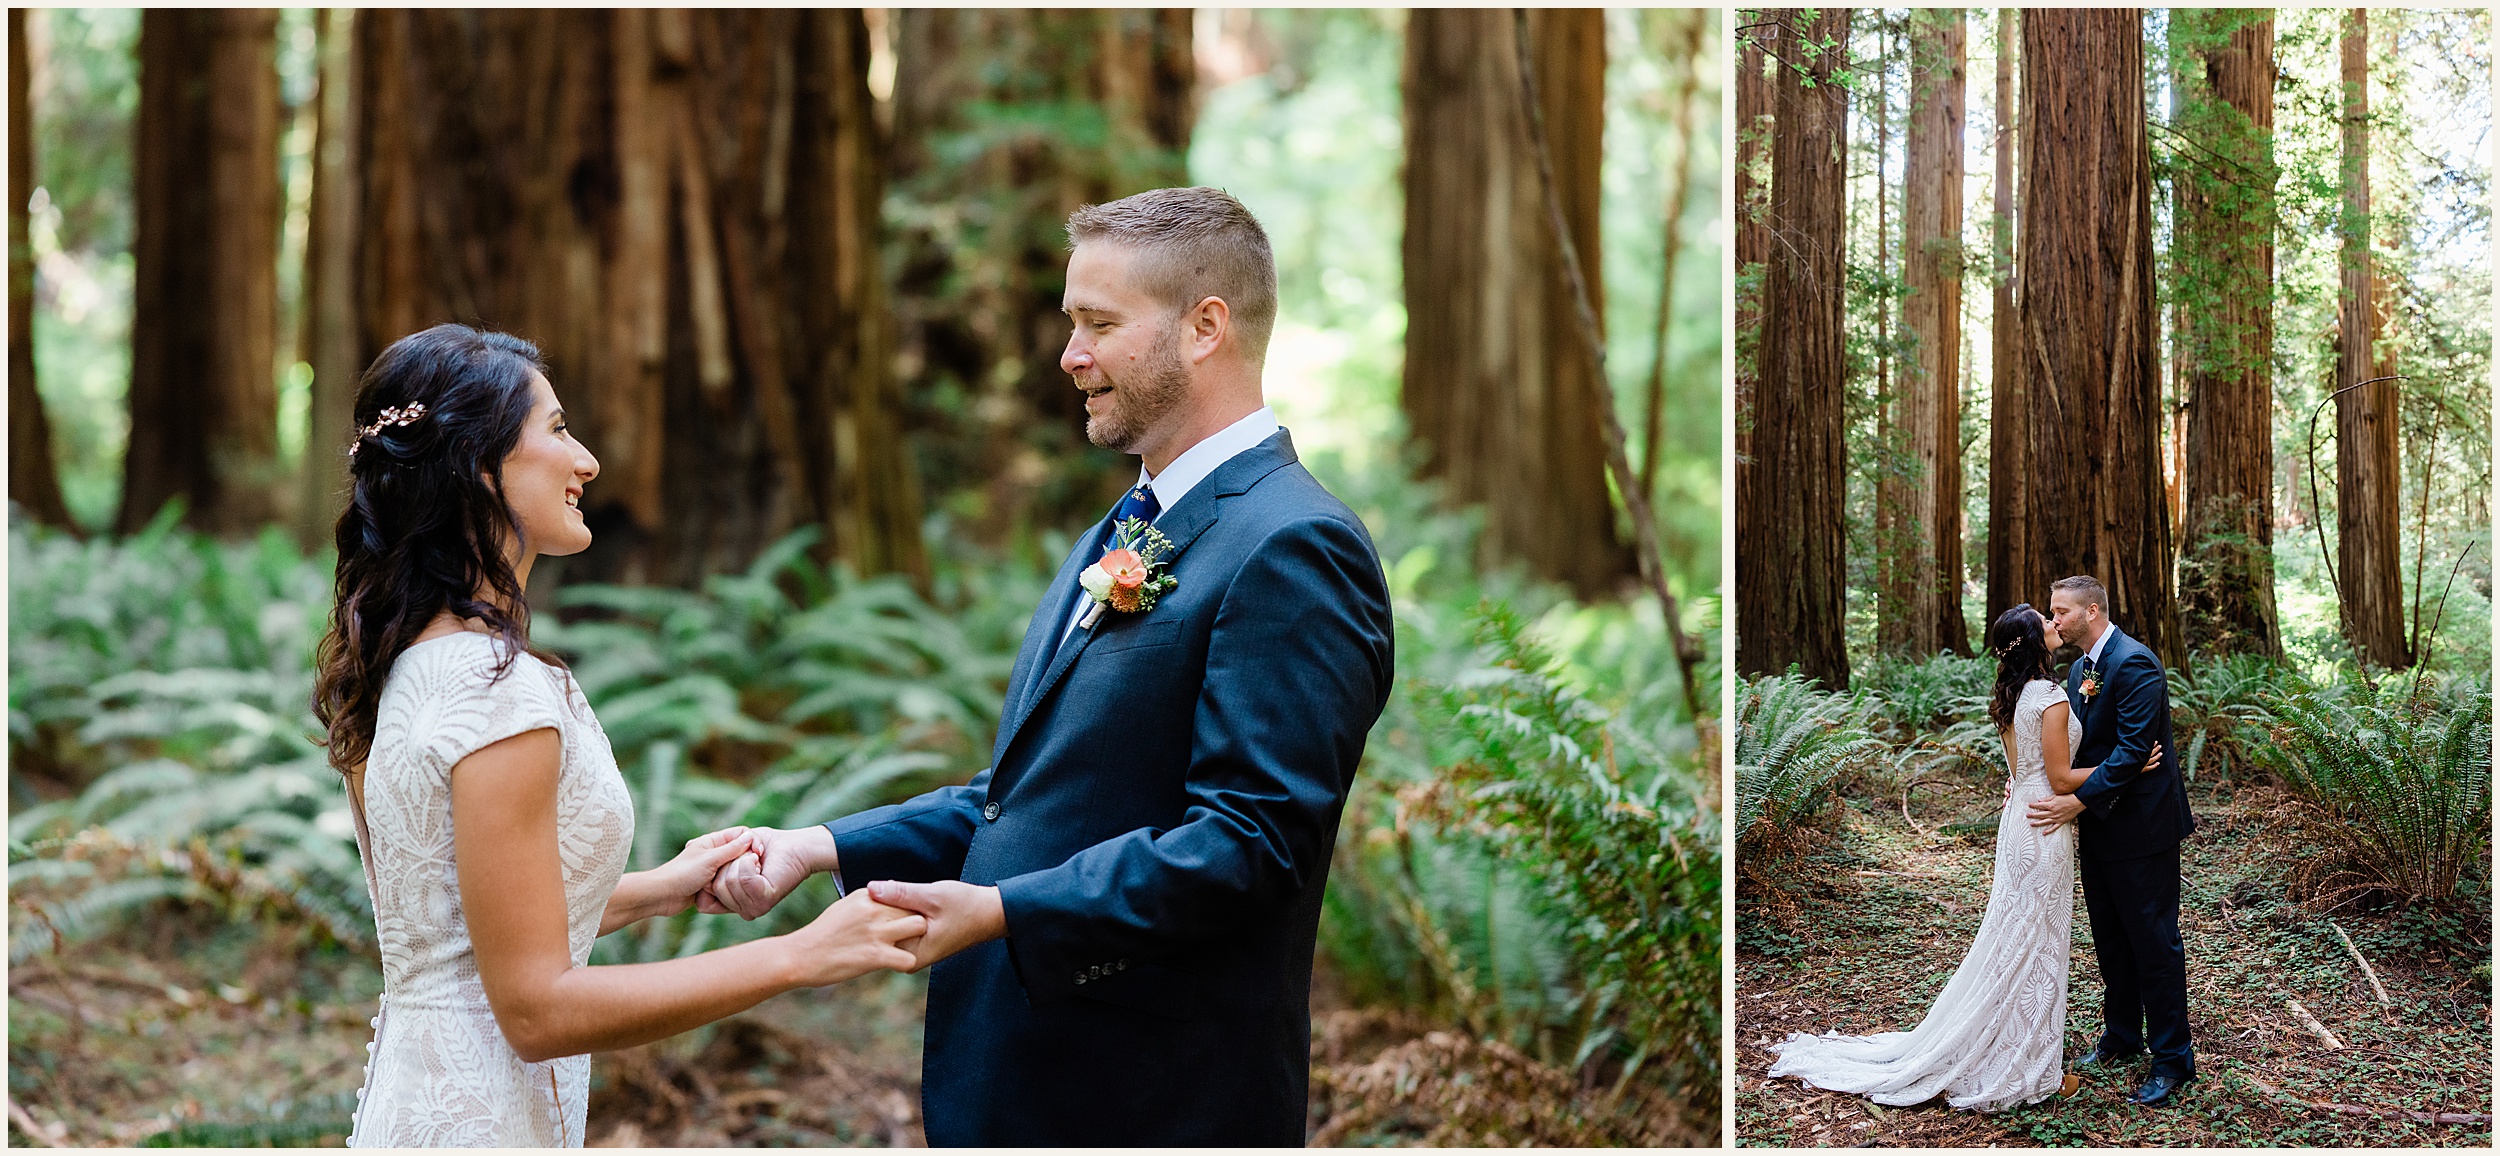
column 1921, row 612
column 2224, row 286
column 1006, row 120
column 1499, row 385
column 2010, row 561
column 2366, row 477
column 2097, row 501
column 204, row 310
column 328, row 340
column 680, row 209
column 1790, row 490
column 34, row 483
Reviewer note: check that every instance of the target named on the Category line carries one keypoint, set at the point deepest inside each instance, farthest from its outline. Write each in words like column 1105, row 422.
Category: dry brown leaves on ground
column 1446, row 1089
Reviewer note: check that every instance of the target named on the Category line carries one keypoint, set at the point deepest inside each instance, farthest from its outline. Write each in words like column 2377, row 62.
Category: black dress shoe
column 2101, row 1059
column 2156, row 1091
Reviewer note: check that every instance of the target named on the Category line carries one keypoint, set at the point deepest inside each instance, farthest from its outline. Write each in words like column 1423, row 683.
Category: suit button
column 989, row 813
column 1080, row 979
column 1124, row 965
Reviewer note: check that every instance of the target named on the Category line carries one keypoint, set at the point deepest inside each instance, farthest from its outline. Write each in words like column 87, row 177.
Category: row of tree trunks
column 2223, row 284
column 2008, row 442
column 33, row 484
column 1498, row 384
column 681, row 209
column 1920, row 604
column 1005, row 122
column 2092, row 373
column 203, row 357
column 1790, row 487
column 2366, row 469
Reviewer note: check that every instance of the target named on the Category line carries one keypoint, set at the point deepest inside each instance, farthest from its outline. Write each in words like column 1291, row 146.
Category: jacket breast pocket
column 1138, row 637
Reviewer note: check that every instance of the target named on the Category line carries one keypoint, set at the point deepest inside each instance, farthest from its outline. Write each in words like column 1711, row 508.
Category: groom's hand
column 960, row 915
column 2055, row 811
column 751, row 884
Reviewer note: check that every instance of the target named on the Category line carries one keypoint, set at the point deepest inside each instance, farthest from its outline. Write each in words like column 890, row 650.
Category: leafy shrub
column 1792, row 740
column 2399, row 777
column 1925, row 694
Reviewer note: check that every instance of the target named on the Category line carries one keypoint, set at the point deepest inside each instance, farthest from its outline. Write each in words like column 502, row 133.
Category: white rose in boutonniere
column 2091, row 682
column 1132, row 574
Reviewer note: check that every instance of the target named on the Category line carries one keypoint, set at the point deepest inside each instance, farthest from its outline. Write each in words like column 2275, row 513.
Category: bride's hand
column 681, row 879
column 855, row 936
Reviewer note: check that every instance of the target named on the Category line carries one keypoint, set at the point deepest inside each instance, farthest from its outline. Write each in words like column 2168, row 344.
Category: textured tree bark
column 2093, row 371
column 2224, row 287
column 1005, row 122
column 204, row 309
column 1922, row 613
column 1499, row 385
column 34, row 483
column 1753, row 234
column 1789, row 495
column 680, row 209
column 2366, row 477
column 328, row 337
column 2010, row 563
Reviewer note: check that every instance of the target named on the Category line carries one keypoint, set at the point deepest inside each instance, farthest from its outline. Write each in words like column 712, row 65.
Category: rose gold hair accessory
column 391, row 416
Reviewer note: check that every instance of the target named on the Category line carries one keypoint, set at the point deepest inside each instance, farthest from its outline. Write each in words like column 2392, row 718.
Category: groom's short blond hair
column 1193, row 244
column 2086, row 589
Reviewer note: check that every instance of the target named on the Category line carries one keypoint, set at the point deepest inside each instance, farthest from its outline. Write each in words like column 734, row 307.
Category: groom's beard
column 1140, row 402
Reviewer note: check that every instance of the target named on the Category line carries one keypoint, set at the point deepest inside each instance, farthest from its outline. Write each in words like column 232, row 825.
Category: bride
column 492, row 821
column 1996, row 1035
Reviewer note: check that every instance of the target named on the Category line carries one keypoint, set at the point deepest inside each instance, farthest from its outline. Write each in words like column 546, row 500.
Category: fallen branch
column 26, row 1124
column 2366, row 969
column 1913, row 785
column 2360, row 1110
column 2311, row 1022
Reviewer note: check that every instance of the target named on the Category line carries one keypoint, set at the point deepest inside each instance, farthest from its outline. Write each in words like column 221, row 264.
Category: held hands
column 778, row 861
column 2048, row 814
column 853, row 937
column 682, row 880
column 960, row 915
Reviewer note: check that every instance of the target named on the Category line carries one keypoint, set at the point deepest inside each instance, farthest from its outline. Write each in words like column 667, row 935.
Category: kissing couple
column 2085, row 758
column 1118, row 914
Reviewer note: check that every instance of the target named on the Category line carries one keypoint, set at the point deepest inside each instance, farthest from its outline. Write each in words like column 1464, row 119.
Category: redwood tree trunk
column 34, row 483
column 1499, row 385
column 1005, row 122
column 328, row 341
column 2224, row 286
column 679, row 208
column 2010, row 561
column 2366, row 478
column 2093, row 371
column 1922, row 612
column 1790, row 492
column 204, row 310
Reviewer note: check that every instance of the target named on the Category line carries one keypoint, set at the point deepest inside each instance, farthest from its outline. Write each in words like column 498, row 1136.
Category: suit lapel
column 1182, row 525
column 1050, row 621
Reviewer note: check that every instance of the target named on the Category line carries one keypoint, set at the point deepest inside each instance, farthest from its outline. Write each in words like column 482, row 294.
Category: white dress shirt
column 1186, row 471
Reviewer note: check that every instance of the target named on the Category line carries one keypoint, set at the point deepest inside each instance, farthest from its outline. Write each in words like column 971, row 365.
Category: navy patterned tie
column 1139, row 502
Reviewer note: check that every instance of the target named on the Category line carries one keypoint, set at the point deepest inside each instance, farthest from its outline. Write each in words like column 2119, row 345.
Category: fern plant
column 1620, row 841
column 2218, row 707
column 2401, row 780
column 1792, row 740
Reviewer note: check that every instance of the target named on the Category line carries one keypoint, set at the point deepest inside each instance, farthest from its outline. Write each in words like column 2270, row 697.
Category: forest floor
column 1869, row 924
column 192, row 1028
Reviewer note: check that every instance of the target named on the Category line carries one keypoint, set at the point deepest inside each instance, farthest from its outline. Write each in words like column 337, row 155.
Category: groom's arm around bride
column 1132, row 890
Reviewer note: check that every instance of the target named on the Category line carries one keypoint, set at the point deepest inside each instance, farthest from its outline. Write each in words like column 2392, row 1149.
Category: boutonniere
column 1132, row 575
column 2091, row 681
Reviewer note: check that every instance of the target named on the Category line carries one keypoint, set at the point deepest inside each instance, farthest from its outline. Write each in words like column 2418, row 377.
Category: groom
column 2131, row 823
column 1125, row 901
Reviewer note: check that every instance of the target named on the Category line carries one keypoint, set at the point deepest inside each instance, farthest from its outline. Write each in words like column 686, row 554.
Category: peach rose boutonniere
column 1132, row 574
column 2091, row 682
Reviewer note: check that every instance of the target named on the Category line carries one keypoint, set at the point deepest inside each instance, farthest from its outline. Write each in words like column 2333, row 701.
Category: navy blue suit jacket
column 2127, row 813
column 1158, row 817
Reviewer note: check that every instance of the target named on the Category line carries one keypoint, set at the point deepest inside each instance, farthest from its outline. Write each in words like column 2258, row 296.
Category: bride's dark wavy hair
column 2022, row 650
column 426, row 524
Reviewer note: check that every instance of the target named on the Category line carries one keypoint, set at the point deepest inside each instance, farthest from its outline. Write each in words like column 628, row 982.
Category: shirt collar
column 2094, row 655
column 1195, row 463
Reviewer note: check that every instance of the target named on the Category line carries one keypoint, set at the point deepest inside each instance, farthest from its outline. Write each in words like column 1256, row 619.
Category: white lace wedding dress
column 1996, row 1035
column 440, row 1073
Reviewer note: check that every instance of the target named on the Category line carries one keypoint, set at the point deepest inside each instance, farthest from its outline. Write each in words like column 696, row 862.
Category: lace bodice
column 441, row 1073
column 1995, row 1036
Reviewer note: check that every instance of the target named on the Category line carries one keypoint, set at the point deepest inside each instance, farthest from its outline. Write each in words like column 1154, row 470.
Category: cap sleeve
column 475, row 708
